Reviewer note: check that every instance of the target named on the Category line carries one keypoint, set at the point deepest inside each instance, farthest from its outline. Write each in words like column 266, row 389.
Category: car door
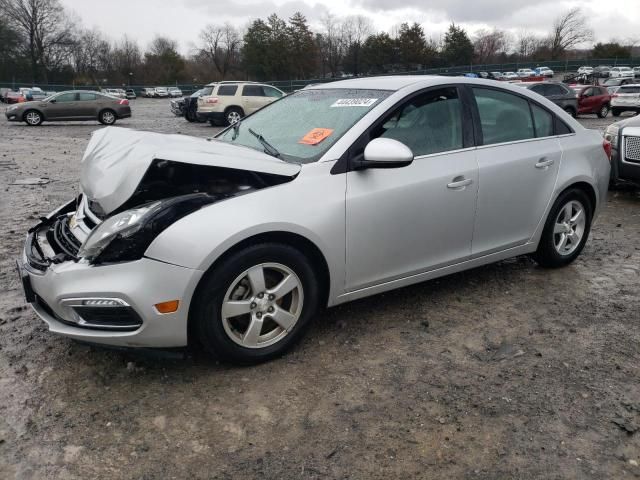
column 408, row 220
column 61, row 106
column 87, row 105
column 518, row 162
column 587, row 101
column 252, row 98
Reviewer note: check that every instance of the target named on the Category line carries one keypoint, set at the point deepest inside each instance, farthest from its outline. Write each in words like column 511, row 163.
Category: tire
column 33, row 118
column 232, row 115
column 107, row 117
column 615, row 112
column 603, row 112
column 190, row 115
column 571, row 111
column 548, row 254
column 225, row 335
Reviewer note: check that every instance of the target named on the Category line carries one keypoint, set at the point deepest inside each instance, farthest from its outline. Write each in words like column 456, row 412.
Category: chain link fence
column 559, row 66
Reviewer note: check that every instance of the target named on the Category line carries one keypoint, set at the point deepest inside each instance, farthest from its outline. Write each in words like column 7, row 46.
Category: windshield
column 302, row 126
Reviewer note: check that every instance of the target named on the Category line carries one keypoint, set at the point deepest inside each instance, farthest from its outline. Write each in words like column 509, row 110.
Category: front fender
column 311, row 206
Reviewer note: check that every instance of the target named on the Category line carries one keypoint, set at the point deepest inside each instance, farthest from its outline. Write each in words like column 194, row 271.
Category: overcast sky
column 183, row 19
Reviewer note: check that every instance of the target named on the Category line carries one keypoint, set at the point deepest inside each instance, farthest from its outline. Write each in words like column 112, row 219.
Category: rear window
column 227, row 90
column 628, row 89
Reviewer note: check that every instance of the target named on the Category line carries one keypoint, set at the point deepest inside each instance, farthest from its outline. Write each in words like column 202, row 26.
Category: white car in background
column 626, row 99
column 526, row 73
column 161, row 92
column 510, row 76
column 636, row 72
column 621, row 72
column 115, row 92
column 545, row 72
column 174, row 92
column 586, row 70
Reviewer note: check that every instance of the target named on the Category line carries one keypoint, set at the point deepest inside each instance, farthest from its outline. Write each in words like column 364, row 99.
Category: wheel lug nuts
column 260, row 295
column 259, row 314
column 253, row 305
column 272, row 296
column 271, row 309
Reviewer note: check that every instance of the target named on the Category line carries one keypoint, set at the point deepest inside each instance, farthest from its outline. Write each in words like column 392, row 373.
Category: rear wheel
column 615, row 112
column 256, row 304
column 107, row 117
column 233, row 115
column 571, row 111
column 566, row 230
column 33, row 118
column 603, row 112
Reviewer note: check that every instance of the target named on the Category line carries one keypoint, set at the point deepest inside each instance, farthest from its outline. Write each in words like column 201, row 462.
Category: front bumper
column 54, row 285
column 12, row 116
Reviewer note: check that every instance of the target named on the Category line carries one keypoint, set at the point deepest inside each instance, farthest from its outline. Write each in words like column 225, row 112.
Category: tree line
column 41, row 42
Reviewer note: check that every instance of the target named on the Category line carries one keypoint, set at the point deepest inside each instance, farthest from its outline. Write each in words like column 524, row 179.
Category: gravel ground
column 506, row 371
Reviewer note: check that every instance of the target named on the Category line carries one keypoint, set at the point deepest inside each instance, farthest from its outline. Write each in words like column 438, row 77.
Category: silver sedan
column 336, row 192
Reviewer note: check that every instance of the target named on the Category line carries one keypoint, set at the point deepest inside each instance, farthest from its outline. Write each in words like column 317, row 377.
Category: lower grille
column 632, row 149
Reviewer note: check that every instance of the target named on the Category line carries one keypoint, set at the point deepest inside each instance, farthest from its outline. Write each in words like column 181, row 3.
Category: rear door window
column 66, row 97
column 252, row 91
column 227, row 90
column 504, row 117
column 87, row 96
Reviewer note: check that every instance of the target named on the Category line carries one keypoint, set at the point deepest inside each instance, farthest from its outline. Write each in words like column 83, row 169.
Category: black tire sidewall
column 206, row 311
column 228, row 111
column 546, row 254
column 101, row 119
column 33, row 124
column 605, row 109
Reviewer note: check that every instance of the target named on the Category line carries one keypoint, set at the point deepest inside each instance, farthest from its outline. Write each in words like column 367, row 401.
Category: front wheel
column 603, row 112
column 571, row 111
column 615, row 112
column 256, row 304
column 566, row 230
column 33, row 118
column 233, row 115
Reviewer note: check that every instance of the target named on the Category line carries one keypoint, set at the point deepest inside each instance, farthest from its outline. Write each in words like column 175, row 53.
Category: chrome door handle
column 459, row 183
column 544, row 163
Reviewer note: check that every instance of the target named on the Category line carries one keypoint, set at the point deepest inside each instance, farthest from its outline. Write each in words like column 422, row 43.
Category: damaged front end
column 167, row 192
column 135, row 185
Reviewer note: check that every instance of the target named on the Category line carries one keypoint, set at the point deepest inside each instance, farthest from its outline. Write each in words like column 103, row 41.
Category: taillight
column 212, row 100
column 606, row 145
column 124, row 101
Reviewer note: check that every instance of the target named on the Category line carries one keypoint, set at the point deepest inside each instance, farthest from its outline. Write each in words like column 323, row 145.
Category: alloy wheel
column 33, row 118
column 262, row 305
column 108, row 118
column 233, row 116
column 569, row 227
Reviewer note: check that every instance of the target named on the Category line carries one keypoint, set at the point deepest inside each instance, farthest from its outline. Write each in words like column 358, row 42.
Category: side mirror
column 53, row 100
column 384, row 153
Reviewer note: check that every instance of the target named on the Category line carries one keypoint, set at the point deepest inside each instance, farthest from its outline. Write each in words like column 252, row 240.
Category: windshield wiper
column 268, row 148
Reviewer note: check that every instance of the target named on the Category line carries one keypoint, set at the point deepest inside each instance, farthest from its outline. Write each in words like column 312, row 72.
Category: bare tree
column 221, row 45
column 47, row 29
column 526, row 44
column 488, row 45
column 569, row 29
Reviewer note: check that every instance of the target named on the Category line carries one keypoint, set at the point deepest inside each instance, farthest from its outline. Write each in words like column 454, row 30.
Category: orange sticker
column 315, row 136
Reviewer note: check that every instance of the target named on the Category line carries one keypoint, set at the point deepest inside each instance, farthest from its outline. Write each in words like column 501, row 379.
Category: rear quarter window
column 625, row 89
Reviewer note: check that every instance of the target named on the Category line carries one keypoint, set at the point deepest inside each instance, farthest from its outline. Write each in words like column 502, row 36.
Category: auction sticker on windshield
column 315, row 136
column 354, row 102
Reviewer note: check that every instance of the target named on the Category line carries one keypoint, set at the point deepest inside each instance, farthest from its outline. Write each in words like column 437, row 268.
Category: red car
column 593, row 99
column 13, row 97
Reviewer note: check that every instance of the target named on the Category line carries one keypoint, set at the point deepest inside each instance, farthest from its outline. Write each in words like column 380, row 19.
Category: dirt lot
column 507, row 371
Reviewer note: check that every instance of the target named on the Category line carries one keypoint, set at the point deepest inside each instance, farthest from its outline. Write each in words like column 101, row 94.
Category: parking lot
column 506, row 371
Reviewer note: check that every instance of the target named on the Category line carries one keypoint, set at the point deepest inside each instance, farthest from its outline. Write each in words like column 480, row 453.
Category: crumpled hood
column 116, row 159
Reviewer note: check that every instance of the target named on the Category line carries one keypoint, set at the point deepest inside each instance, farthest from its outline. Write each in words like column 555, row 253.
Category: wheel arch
column 236, row 107
column 30, row 109
column 295, row 240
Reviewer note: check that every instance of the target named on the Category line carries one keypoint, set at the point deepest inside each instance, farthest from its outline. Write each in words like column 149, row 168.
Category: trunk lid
column 116, row 160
